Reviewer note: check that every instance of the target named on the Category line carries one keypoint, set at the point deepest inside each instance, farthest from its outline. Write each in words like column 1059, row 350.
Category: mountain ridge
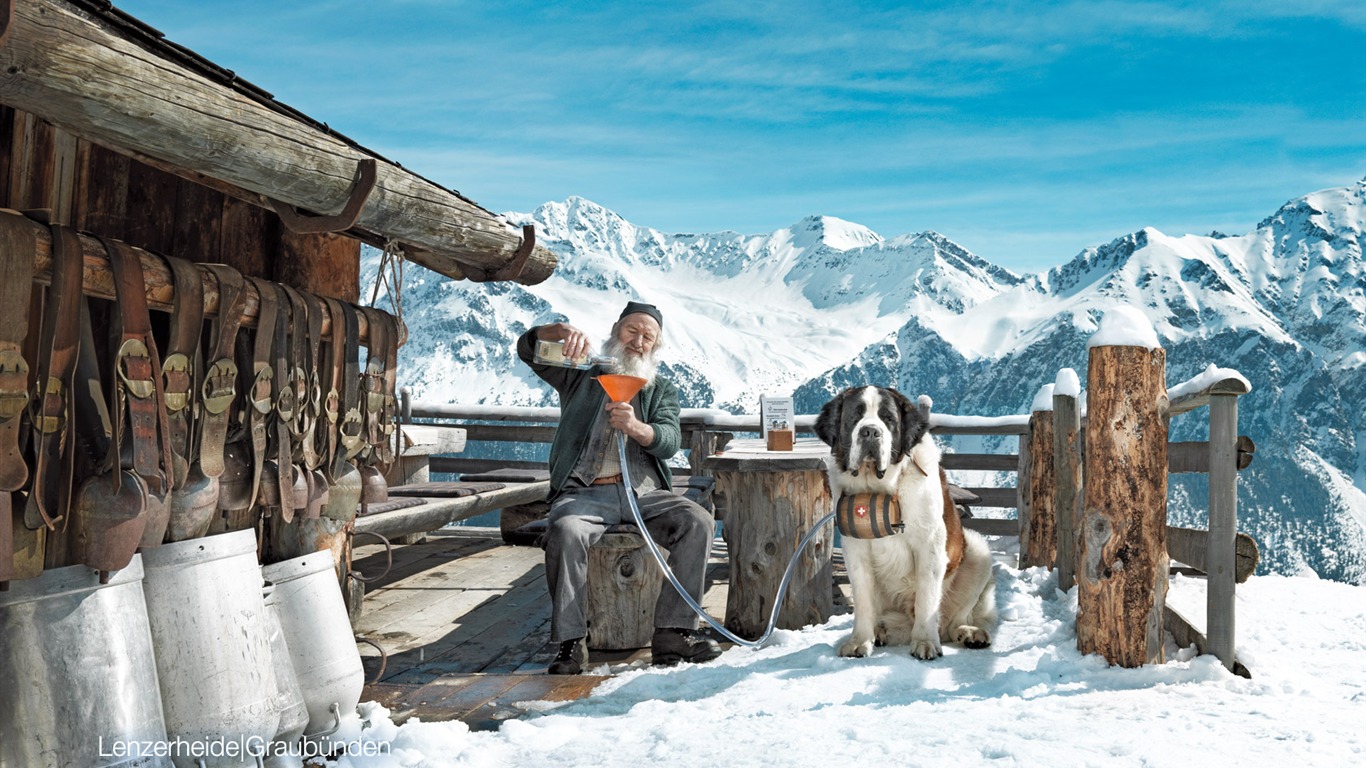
column 826, row 303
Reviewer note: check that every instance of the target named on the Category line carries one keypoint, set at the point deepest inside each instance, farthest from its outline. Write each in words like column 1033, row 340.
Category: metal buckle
column 285, row 403
column 220, row 386
column 45, row 405
column 14, row 395
column 333, row 406
column 261, row 398
column 374, row 387
column 134, row 364
column 351, row 430
column 175, row 372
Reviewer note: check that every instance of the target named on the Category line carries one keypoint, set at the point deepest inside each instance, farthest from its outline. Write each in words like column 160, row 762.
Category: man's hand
column 623, row 417
column 576, row 343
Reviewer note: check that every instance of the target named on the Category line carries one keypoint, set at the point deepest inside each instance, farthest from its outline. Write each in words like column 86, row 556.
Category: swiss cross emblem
column 861, row 510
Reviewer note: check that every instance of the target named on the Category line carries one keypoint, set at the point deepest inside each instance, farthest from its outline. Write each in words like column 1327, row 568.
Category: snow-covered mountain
column 826, row 303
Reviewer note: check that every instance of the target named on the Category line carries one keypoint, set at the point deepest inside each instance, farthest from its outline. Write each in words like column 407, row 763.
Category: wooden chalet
column 156, row 207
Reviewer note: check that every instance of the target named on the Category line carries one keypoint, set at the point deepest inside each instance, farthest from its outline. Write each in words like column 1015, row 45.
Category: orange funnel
column 620, row 388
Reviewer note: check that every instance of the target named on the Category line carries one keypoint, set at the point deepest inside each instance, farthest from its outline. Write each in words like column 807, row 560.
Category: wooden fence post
column 1022, row 492
column 1067, row 475
column 1038, row 537
column 1122, row 562
column 1223, row 526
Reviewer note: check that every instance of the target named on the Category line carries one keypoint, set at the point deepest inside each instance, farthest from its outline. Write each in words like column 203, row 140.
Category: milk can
column 77, row 676
column 212, row 643
column 322, row 646
column 286, row 750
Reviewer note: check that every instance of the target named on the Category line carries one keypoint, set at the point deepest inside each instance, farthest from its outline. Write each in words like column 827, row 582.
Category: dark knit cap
column 634, row 307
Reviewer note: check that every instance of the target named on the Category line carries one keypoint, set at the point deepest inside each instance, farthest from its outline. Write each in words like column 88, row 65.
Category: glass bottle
column 552, row 353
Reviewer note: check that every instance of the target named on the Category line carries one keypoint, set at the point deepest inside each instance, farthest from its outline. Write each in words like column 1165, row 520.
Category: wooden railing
column 705, row 431
column 1048, row 493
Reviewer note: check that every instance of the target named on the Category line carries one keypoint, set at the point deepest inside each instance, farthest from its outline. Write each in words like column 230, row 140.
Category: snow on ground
column 1031, row 699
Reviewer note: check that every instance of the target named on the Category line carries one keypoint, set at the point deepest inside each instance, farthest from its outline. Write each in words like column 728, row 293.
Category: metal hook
column 361, row 186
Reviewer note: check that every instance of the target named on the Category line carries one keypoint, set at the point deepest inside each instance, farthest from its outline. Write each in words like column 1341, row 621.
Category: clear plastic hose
column 683, row 592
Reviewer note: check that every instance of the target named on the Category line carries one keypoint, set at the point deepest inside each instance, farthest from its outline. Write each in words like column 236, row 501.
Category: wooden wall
column 112, row 195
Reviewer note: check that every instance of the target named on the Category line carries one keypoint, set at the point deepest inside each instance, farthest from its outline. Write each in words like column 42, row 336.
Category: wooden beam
column 1039, row 538
column 1194, row 456
column 1007, row 497
column 1190, row 546
column 1067, row 464
column 98, row 279
column 69, row 69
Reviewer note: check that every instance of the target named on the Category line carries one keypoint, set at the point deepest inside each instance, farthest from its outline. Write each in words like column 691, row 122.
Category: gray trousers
column 577, row 520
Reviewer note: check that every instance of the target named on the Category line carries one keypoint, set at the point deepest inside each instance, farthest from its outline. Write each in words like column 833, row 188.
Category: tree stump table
column 773, row 498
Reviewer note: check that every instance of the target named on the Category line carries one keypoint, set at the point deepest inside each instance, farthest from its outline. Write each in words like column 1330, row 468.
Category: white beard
column 630, row 363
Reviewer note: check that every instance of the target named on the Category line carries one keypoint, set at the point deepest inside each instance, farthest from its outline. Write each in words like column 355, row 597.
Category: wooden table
column 773, row 498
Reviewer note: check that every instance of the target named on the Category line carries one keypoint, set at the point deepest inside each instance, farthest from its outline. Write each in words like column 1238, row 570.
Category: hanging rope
column 390, row 277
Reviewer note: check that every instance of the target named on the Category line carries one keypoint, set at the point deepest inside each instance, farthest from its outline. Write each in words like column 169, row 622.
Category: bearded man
column 587, row 493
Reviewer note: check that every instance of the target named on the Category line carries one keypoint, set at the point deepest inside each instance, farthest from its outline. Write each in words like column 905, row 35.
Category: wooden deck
column 465, row 623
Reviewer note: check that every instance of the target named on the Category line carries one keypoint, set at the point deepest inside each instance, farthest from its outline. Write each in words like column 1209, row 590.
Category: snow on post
column 1124, row 327
column 1122, row 559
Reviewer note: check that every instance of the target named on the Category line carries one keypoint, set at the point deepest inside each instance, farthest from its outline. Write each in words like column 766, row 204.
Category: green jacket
column 581, row 398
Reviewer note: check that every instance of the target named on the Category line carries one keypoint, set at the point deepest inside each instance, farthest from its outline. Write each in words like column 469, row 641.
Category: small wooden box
column 780, row 439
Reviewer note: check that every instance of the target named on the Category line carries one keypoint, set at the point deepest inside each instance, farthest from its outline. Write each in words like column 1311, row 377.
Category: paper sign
column 775, row 413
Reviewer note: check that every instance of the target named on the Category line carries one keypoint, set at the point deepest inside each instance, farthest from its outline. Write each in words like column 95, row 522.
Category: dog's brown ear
column 828, row 421
column 913, row 425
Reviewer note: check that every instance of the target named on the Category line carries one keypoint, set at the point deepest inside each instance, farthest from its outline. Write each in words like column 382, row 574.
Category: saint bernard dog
column 929, row 582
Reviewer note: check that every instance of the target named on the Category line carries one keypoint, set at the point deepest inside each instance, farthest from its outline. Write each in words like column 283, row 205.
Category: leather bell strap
column 280, row 445
column 332, row 400
column 261, row 396
column 219, row 388
column 49, row 498
column 18, row 243
column 6, row 536
column 372, row 404
column 180, row 367
column 352, row 423
column 313, row 456
column 298, row 377
column 390, row 388
column 138, row 372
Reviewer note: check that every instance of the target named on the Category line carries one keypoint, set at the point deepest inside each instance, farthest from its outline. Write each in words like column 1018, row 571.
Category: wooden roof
column 94, row 70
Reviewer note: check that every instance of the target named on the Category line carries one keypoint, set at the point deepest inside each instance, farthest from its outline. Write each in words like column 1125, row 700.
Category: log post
column 1223, row 526
column 1122, row 563
column 1038, row 540
column 1067, row 475
column 1023, row 493
column 623, row 585
column 768, row 513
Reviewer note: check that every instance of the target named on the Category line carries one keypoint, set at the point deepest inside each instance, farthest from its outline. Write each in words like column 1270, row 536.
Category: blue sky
column 1025, row 131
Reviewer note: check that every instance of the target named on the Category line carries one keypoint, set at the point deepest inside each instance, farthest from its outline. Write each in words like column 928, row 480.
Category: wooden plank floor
column 465, row 623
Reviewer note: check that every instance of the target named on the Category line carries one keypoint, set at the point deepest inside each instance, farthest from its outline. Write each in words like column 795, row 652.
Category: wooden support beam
column 1067, row 464
column 70, row 69
column 98, row 279
column 1191, row 547
column 1223, row 525
column 1039, row 538
column 1194, row 456
column 1122, row 564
